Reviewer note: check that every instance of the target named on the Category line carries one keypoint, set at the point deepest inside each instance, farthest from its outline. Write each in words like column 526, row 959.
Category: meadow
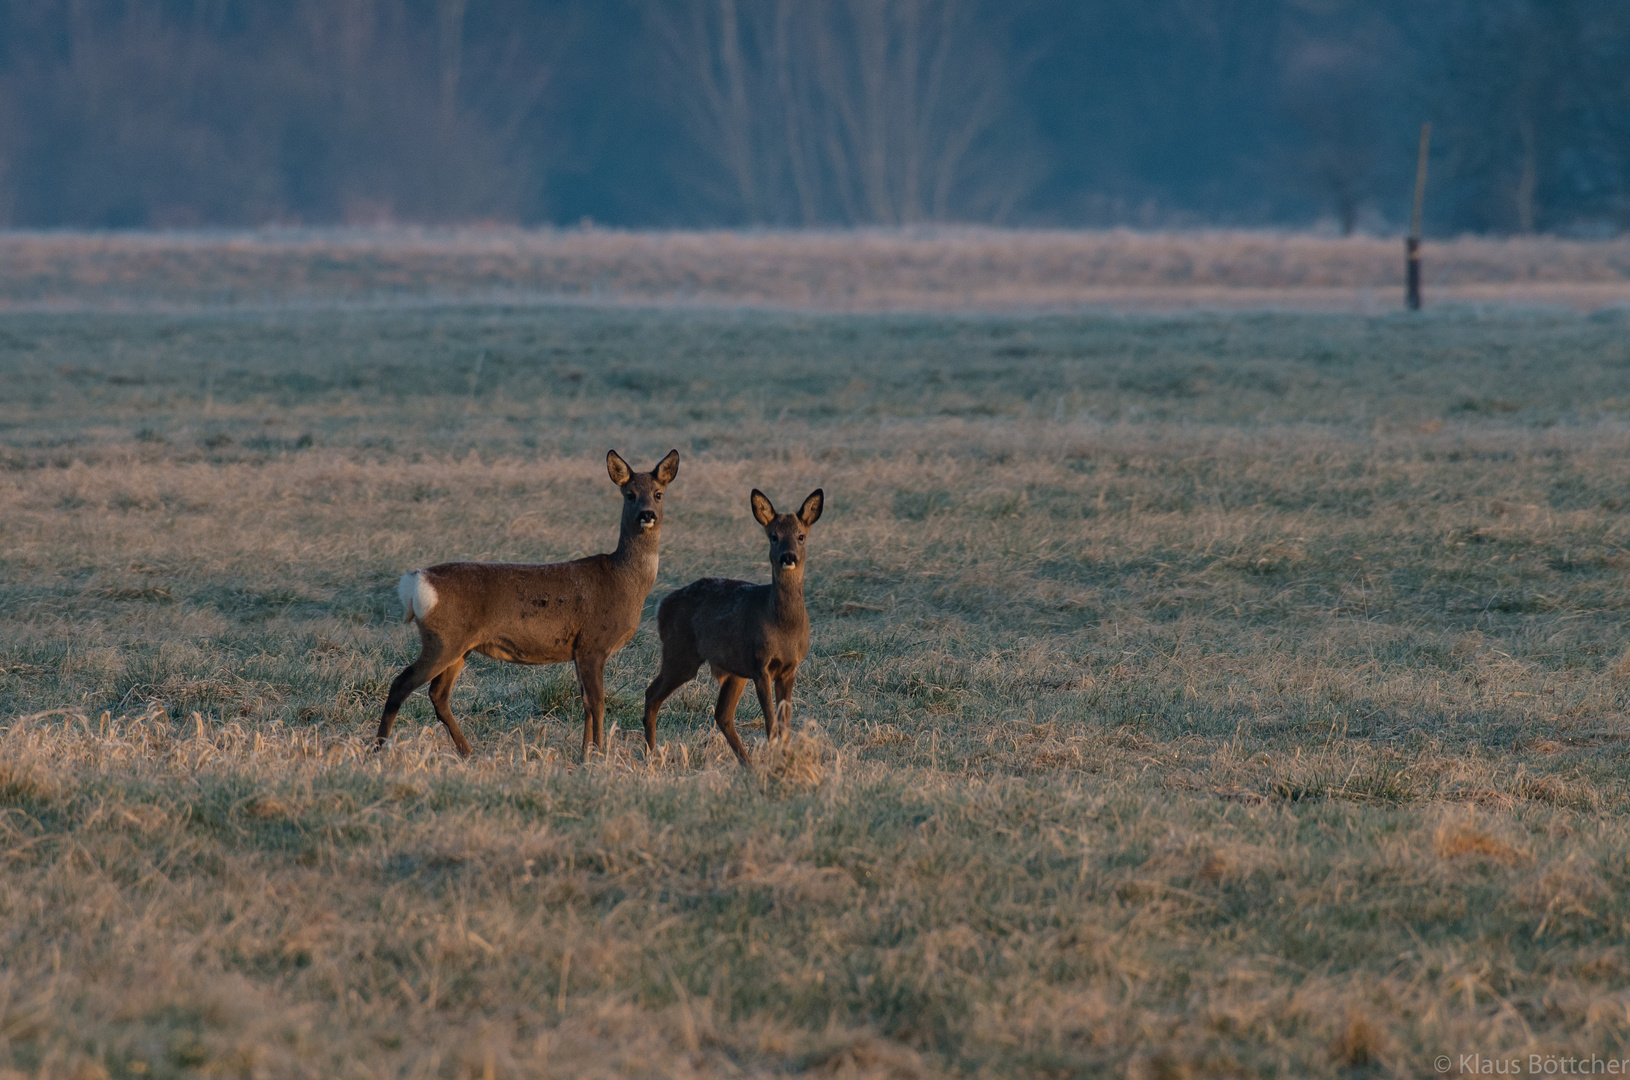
column 951, row 269
column 1191, row 695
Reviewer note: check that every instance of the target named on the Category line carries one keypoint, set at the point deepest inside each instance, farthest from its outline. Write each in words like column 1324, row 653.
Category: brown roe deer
column 582, row 611
column 743, row 632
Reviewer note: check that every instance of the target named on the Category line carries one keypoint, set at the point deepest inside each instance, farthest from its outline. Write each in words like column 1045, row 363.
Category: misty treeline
column 192, row 112
column 156, row 113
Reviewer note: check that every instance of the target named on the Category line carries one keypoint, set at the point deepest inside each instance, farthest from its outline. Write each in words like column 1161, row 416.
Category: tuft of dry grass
column 1360, row 1043
column 1189, row 696
column 1459, row 838
column 801, row 760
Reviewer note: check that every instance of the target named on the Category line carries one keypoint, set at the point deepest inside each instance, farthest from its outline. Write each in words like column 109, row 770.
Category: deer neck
column 637, row 552
column 787, row 597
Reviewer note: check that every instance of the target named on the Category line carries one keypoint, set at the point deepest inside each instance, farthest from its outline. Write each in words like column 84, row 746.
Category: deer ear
column 810, row 512
column 762, row 510
column 667, row 468
column 618, row 468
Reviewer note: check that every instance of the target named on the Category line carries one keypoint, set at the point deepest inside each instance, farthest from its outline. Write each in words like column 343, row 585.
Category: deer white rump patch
column 418, row 595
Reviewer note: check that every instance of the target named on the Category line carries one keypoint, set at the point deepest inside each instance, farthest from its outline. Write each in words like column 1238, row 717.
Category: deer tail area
column 417, row 594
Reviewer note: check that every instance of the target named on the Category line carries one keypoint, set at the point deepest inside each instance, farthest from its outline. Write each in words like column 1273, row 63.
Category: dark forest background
column 1150, row 113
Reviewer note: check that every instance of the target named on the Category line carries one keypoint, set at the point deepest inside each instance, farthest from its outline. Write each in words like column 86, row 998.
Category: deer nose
column 788, row 559
column 647, row 518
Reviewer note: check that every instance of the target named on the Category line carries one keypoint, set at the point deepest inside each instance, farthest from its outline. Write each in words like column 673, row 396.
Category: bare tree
column 858, row 111
column 792, row 89
column 708, row 52
column 1332, row 93
column 893, row 113
column 450, row 52
column 1527, row 176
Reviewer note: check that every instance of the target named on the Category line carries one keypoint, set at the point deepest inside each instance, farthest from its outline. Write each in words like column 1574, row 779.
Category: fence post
column 1412, row 245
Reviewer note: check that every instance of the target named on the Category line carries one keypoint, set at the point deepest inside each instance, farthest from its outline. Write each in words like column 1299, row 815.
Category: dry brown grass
column 1189, row 697
column 946, row 269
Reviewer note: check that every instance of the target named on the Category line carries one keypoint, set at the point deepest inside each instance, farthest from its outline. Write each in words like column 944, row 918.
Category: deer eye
column 800, row 538
column 629, row 495
column 659, row 496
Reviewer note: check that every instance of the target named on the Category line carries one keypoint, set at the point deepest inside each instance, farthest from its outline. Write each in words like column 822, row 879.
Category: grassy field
column 948, row 269
column 1192, row 696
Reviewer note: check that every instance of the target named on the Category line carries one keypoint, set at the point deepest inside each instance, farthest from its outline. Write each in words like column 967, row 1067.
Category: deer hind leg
column 431, row 660
column 762, row 685
column 724, row 713
column 591, row 679
column 441, row 695
column 677, row 670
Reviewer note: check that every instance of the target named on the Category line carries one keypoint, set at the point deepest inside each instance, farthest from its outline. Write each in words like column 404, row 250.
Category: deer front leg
column 591, row 679
column 783, row 694
column 762, row 685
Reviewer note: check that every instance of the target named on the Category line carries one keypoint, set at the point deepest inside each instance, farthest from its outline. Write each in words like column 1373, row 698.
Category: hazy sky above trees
column 1150, row 113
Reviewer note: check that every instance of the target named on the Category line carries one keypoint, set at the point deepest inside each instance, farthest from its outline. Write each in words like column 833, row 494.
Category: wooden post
column 1412, row 246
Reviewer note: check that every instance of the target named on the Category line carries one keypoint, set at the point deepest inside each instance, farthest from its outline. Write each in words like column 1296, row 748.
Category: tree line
column 196, row 113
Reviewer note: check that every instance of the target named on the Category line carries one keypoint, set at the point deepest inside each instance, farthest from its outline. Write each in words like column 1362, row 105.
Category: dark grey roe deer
column 582, row 611
column 742, row 632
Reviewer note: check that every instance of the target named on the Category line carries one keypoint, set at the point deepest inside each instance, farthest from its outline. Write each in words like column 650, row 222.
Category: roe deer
column 740, row 630
column 582, row 611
